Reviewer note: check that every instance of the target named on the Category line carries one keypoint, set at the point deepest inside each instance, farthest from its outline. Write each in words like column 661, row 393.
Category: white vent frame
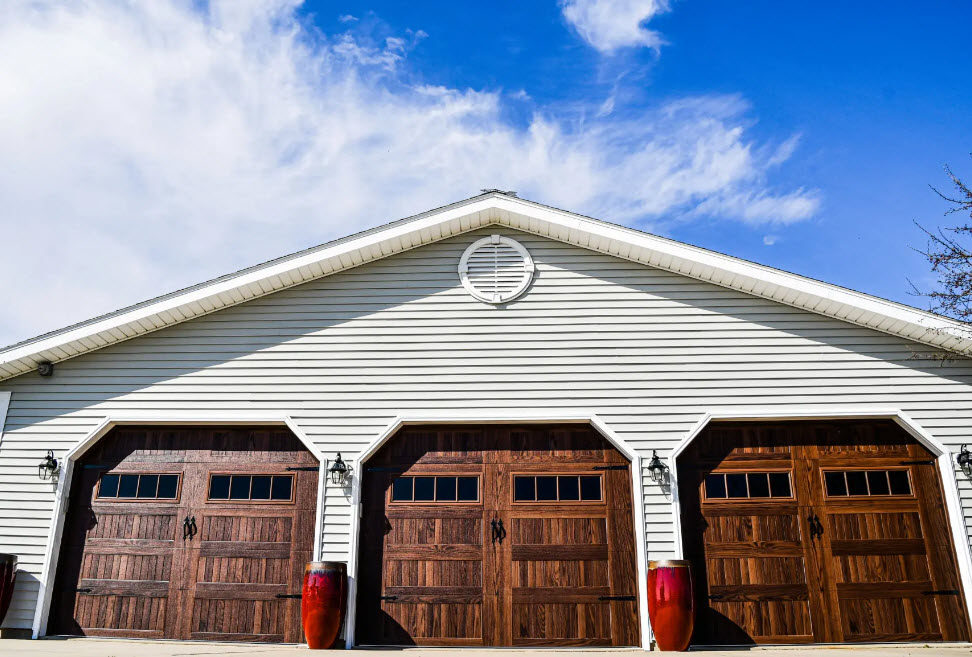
column 493, row 297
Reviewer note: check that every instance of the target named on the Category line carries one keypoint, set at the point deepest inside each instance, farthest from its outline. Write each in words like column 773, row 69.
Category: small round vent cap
column 496, row 269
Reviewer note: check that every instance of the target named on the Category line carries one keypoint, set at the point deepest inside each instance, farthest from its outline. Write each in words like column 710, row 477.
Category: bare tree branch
column 950, row 257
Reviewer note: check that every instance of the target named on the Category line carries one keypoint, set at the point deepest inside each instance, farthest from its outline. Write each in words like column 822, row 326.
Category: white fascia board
column 742, row 275
column 400, row 235
column 684, row 259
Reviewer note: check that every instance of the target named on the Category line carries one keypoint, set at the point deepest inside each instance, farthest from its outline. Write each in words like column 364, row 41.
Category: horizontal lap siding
column 646, row 350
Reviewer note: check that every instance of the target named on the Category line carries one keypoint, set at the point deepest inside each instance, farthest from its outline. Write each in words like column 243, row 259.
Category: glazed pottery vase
column 8, row 572
column 670, row 603
column 322, row 603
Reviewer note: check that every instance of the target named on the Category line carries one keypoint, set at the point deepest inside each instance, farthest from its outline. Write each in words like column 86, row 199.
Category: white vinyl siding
column 647, row 351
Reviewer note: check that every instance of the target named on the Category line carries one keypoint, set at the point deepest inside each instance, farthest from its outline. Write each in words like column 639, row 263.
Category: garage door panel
column 134, row 566
column 561, row 574
column 427, row 574
column 563, row 623
column 760, row 621
column 889, row 619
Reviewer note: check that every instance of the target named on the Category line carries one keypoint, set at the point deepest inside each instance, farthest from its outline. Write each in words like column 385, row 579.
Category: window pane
column 128, row 486
column 240, row 487
column 467, row 489
column 261, row 487
column 546, row 489
column 109, row 486
column 445, row 489
column 148, row 486
column 282, row 487
column 877, row 481
column 219, row 486
column 736, row 485
column 168, row 486
column 856, row 482
column 569, row 488
column 836, row 486
column 715, row 486
column 424, row 489
column 758, row 484
column 523, row 489
column 780, row 484
column 402, row 489
column 590, row 488
column 899, row 482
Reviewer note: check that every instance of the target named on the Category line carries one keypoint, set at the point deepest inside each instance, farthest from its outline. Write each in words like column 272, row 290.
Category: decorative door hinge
column 309, row 468
column 623, row 598
column 610, row 467
column 942, row 592
column 288, row 596
column 389, row 597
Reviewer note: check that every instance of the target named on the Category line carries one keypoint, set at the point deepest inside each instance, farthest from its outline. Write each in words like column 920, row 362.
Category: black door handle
column 820, row 528
column 813, row 528
column 495, row 533
column 189, row 528
column 502, row 532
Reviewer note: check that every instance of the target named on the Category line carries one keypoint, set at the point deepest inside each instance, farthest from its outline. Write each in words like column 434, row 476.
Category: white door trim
column 53, row 548
column 942, row 454
column 502, row 418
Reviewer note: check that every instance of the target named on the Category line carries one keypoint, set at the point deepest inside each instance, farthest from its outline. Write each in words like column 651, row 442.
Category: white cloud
column 148, row 146
column 609, row 25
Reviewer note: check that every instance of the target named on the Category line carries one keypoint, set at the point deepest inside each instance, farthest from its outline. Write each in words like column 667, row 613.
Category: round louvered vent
column 496, row 269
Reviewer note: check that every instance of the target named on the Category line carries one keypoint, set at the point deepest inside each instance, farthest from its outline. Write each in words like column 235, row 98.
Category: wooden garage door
column 806, row 532
column 498, row 536
column 187, row 533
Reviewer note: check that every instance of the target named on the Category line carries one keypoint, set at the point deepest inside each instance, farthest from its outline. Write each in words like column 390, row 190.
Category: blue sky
column 149, row 147
column 875, row 90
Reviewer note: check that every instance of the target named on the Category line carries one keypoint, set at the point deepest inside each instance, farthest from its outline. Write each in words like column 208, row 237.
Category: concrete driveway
column 83, row 647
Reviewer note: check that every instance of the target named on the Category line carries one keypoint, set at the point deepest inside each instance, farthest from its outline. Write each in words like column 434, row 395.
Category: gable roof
column 491, row 208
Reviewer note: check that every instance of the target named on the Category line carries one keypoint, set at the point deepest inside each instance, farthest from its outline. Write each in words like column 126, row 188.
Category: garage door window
column 867, row 483
column 251, row 488
column 747, row 485
column 139, row 486
column 557, row 488
column 446, row 488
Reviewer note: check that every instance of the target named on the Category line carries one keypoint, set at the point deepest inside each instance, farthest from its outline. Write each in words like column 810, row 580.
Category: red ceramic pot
column 670, row 603
column 8, row 572
column 323, row 601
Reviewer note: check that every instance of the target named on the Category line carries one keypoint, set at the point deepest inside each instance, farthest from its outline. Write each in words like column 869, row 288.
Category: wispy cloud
column 609, row 25
column 148, row 146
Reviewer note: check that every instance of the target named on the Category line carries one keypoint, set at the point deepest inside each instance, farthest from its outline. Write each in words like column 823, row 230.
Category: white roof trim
column 491, row 209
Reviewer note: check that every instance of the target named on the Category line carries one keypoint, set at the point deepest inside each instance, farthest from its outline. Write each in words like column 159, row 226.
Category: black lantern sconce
column 48, row 469
column 340, row 472
column 656, row 468
column 964, row 460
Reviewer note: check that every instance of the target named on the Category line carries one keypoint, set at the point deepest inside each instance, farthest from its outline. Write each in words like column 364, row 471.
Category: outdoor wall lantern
column 340, row 471
column 48, row 468
column 964, row 460
column 656, row 468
